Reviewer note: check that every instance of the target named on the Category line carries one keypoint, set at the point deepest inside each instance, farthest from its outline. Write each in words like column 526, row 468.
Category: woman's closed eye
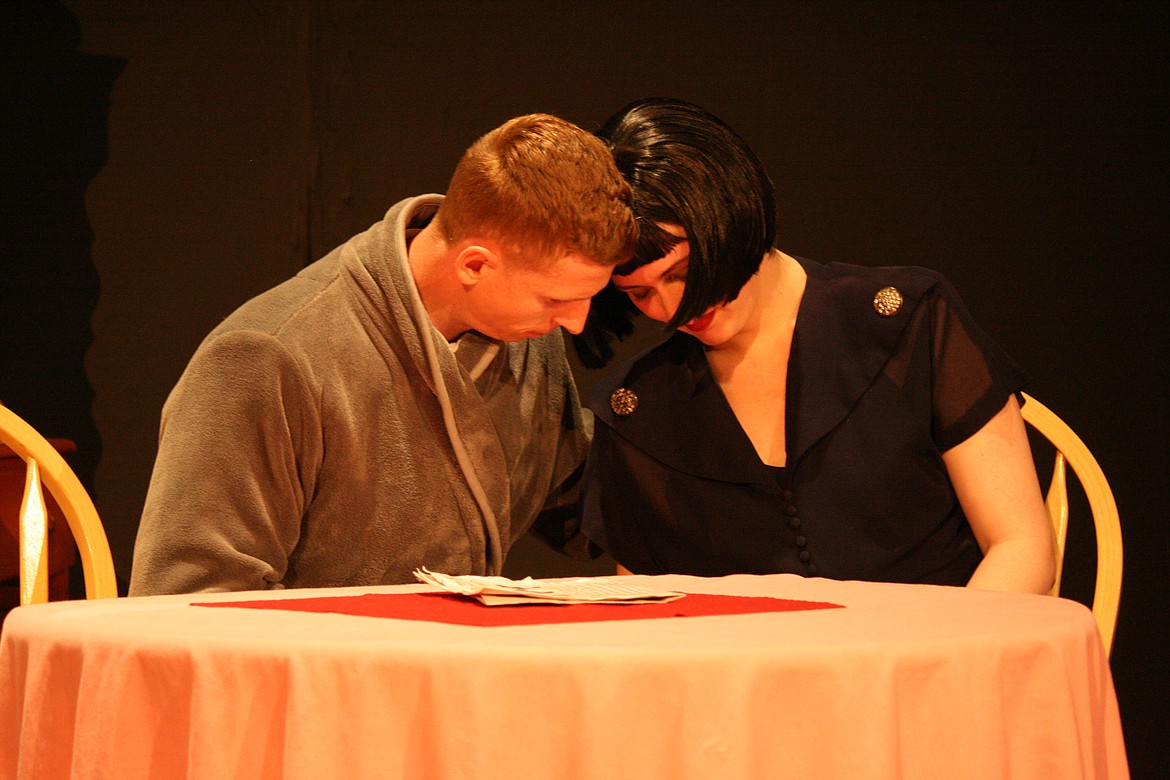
column 638, row 293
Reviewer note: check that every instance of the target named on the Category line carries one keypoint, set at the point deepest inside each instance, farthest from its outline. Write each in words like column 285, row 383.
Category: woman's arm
column 995, row 480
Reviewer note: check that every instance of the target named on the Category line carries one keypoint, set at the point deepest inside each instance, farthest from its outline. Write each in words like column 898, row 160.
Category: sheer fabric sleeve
column 972, row 376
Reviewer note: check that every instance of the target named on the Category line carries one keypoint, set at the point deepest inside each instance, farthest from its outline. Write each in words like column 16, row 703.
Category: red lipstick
column 700, row 323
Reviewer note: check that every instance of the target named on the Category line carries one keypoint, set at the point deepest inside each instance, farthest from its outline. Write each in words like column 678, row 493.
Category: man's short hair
column 543, row 188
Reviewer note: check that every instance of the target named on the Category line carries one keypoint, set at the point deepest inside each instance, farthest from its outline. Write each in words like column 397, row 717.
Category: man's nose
column 573, row 318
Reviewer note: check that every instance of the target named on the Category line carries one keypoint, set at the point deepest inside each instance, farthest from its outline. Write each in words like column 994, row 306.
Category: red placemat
column 449, row 608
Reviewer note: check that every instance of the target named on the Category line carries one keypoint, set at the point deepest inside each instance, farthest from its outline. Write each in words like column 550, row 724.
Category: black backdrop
column 164, row 161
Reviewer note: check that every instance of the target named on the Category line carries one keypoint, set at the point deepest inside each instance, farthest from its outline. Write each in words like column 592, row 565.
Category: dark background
column 162, row 162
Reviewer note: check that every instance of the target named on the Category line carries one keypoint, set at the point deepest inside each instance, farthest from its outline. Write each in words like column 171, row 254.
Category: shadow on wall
column 54, row 105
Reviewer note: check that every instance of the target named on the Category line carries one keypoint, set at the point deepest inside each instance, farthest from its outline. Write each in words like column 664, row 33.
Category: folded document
column 497, row 591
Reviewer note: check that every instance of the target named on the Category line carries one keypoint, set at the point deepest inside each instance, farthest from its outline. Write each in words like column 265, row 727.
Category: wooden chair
column 1072, row 451
column 45, row 465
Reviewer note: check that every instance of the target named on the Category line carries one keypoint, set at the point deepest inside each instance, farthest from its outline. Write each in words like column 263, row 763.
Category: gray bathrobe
column 327, row 434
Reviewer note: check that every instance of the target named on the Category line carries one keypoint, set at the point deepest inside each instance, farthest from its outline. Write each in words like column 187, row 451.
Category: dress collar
column 840, row 345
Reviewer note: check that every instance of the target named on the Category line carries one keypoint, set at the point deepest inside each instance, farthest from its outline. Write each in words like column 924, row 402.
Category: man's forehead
column 574, row 272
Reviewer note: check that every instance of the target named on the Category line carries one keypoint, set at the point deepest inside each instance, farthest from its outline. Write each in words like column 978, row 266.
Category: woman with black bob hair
column 688, row 168
column 824, row 420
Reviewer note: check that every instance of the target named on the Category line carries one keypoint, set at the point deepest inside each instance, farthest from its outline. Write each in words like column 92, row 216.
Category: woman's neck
column 773, row 298
column 752, row 367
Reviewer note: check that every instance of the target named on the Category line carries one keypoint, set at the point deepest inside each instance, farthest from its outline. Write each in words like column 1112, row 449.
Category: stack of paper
column 495, row 591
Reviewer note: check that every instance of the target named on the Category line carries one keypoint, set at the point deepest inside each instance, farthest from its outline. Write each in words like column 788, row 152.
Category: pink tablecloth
column 904, row 682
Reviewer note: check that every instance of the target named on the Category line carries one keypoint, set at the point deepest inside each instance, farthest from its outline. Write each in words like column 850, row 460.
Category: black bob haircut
column 689, row 168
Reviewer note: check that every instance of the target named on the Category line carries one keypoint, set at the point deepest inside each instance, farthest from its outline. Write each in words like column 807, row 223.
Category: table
column 905, row 681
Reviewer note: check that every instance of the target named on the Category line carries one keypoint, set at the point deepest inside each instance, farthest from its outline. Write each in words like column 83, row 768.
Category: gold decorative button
column 888, row 301
column 623, row 402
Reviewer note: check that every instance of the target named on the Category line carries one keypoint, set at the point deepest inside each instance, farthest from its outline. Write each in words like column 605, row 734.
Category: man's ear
column 473, row 261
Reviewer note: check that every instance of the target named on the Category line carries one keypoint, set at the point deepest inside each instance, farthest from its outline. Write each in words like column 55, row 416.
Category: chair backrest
column 44, row 465
column 1072, row 451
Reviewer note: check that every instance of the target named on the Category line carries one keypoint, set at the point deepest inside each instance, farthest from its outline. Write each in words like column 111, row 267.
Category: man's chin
column 532, row 334
column 510, row 338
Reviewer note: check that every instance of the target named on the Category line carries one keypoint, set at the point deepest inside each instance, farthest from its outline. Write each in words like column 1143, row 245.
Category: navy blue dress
column 676, row 486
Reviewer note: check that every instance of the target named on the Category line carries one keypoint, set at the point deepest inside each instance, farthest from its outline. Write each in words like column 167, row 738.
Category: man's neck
column 429, row 256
